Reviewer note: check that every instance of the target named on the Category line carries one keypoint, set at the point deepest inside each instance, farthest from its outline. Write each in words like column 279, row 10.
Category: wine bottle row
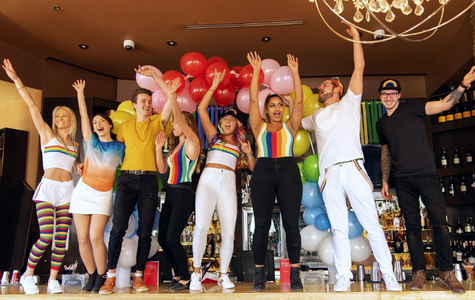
column 463, row 252
column 456, row 160
column 468, row 228
column 466, row 185
column 463, row 109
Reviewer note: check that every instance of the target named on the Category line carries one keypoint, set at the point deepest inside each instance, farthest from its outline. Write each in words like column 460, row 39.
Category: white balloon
column 360, row 249
column 325, row 251
column 311, row 237
column 153, row 246
column 131, row 229
column 128, row 254
column 106, row 239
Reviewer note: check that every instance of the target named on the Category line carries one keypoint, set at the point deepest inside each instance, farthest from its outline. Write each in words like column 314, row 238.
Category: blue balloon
column 354, row 227
column 155, row 221
column 135, row 214
column 322, row 222
column 311, row 213
column 311, row 196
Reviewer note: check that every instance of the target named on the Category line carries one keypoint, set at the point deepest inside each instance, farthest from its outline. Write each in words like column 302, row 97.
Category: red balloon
column 216, row 59
column 193, row 63
column 220, row 68
column 235, row 77
column 245, row 76
column 198, row 88
column 171, row 75
column 225, row 96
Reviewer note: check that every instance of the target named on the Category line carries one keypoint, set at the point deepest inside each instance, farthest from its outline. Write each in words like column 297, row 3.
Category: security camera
column 129, row 45
column 379, row 34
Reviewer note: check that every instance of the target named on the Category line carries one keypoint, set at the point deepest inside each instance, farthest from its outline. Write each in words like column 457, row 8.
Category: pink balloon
column 242, row 100
column 261, row 97
column 281, row 81
column 185, row 102
column 146, row 82
column 158, row 100
column 269, row 66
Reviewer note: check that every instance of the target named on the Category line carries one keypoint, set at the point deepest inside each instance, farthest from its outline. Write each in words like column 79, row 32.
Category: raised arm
column 162, row 167
column 254, row 115
column 246, row 148
column 296, row 109
column 356, row 81
column 43, row 129
column 436, row 107
column 208, row 127
column 385, row 170
column 192, row 149
column 79, row 86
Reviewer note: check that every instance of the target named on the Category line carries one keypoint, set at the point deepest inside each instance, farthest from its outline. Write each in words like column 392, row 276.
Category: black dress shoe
column 100, row 280
column 295, row 283
column 90, row 282
column 180, row 287
column 260, row 279
column 171, row 283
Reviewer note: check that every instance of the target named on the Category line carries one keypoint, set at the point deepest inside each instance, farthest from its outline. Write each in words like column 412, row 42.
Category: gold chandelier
column 387, row 7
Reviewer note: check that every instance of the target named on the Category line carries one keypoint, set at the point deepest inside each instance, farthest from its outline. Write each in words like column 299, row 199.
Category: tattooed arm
column 385, row 170
column 436, row 107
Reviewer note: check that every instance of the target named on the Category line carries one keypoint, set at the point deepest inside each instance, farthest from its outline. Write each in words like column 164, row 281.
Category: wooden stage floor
column 359, row 291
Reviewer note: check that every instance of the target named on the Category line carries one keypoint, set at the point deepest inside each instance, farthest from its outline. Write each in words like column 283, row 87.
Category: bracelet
column 211, row 90
column 250, row 155
column 464, row 86
column 20, row 88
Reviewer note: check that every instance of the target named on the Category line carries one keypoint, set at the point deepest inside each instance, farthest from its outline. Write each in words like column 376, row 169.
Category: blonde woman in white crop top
column 227, row 151
column 53, row 194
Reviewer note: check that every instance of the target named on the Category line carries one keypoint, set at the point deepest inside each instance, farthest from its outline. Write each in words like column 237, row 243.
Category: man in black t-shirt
column 405, row 151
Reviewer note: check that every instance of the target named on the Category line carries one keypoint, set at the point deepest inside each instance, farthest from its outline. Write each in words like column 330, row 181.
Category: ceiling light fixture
column 56, row 8
column 266, row 39
column 373, row 7
column 245, row 24
column 171, row 43
column 83, row 46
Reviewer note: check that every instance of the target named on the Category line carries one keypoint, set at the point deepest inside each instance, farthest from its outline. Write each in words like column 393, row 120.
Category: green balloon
column 302, row 176
column 117, row 174
column 160, row 183
column 310, row 168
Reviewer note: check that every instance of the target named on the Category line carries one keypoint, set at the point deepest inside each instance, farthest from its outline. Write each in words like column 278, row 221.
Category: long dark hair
column 109, row 120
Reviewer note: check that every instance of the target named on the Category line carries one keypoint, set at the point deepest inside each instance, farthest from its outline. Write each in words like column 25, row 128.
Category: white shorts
column 54, row 192
column 89, row 201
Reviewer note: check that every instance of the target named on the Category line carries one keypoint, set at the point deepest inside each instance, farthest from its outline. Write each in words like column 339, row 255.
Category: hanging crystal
column 397, row 3
column 418, row 2
column 406, row 9
column 358, row 17
column 443, row 1
column 419, row 10
column 384, row 5
column 368, row 16
column 390, row 16
column 338, row 7
column 373, row 6
column 359, row 4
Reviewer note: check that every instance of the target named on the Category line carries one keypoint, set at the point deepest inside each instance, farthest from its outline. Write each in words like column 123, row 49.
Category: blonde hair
column 72, row 125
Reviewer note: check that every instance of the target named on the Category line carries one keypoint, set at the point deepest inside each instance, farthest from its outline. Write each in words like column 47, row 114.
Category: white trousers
column 216, row 188
column 344, row 180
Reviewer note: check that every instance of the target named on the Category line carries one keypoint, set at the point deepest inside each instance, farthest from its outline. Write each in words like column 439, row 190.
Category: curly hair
column 240, row 133
column 173, row 140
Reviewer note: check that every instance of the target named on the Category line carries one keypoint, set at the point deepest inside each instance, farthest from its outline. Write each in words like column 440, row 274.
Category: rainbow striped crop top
column 56, row 156
column 275, row 144
column 181, row 167
column 224, row 154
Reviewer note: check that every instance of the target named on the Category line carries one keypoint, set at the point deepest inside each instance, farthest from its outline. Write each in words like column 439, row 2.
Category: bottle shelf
column 454, row 125
column 454, row 171
column 463, row 236
column 459, row 200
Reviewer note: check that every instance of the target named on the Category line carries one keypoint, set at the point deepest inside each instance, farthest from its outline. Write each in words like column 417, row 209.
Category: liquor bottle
column 442, row 117
column 457, row 111
column 469, row 155
column 459, row 229
column 472, row 184
column 450, row 114
column 456, row 157
column 449, row 227
column 397, row 244
column 442, row 186
column 210, row 246
column 471, row 256
column 463, row 186
column 218, row 242
column 405, row 247
column 459, row 252
column 390, row 242
column 467, row 108
column 451, row 187
column 468, row 225
column 428, row 246
column 465, row 252
column 443, row 159
column 454, row 251
column 471, row 223
column 423, row 219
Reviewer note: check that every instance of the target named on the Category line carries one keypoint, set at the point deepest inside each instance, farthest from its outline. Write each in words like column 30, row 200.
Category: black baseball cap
column 389, row 84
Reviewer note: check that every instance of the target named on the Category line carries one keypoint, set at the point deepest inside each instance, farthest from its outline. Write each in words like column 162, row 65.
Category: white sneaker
column 195, row 283
column 391, row 282
column 225, row 282
column 29, row 286
column 54, row 287
column 342, row 285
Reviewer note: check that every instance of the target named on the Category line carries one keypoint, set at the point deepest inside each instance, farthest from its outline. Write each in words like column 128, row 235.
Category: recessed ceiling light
column 83, row 46
column 56, row 8
column 171, row 43
column 266, row 39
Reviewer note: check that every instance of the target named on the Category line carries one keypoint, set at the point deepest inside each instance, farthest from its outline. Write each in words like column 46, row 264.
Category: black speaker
column 245, row 267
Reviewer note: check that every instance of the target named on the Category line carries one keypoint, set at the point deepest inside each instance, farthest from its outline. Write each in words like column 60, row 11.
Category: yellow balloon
column 311, row 105
column 307, row 92
column 120, row 117
column 127, row 107
column 285, row 114
column 301, row 142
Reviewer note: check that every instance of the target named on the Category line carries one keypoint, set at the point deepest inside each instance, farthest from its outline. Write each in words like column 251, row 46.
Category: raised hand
column 7, row 66
column 469, row 77
column 173, row 86
column 145, row 71
column 218, row 77
column 79, row 85
column 293, row 63
column 351, row 30
column 246, row 148
column 79, row 169
column 254, row 59
column 160, row 140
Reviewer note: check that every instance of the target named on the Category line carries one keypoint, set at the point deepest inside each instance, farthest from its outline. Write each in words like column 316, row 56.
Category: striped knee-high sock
column 45, row 214
column 63, row 221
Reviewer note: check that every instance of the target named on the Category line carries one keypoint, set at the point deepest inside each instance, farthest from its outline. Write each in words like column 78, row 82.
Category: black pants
column 276, row 177
column 143, row 191
column 176, row 210
column 408, row 190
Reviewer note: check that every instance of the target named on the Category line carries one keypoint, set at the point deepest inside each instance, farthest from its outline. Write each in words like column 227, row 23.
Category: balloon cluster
column 315, row 236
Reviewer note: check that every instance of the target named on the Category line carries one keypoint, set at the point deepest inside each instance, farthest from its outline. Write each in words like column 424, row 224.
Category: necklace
column 146, row 130
column 73, row 154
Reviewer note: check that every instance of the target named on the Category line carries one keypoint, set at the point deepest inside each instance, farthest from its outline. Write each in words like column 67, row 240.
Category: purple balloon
column 147, row 82
column 282, row 81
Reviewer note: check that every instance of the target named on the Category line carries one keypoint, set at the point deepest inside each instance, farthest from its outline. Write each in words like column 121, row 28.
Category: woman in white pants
column 227, row 151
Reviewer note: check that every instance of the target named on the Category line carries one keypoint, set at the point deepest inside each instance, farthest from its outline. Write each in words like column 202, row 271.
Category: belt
column 344, row 162
column 138, row 172
column 183, row 185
